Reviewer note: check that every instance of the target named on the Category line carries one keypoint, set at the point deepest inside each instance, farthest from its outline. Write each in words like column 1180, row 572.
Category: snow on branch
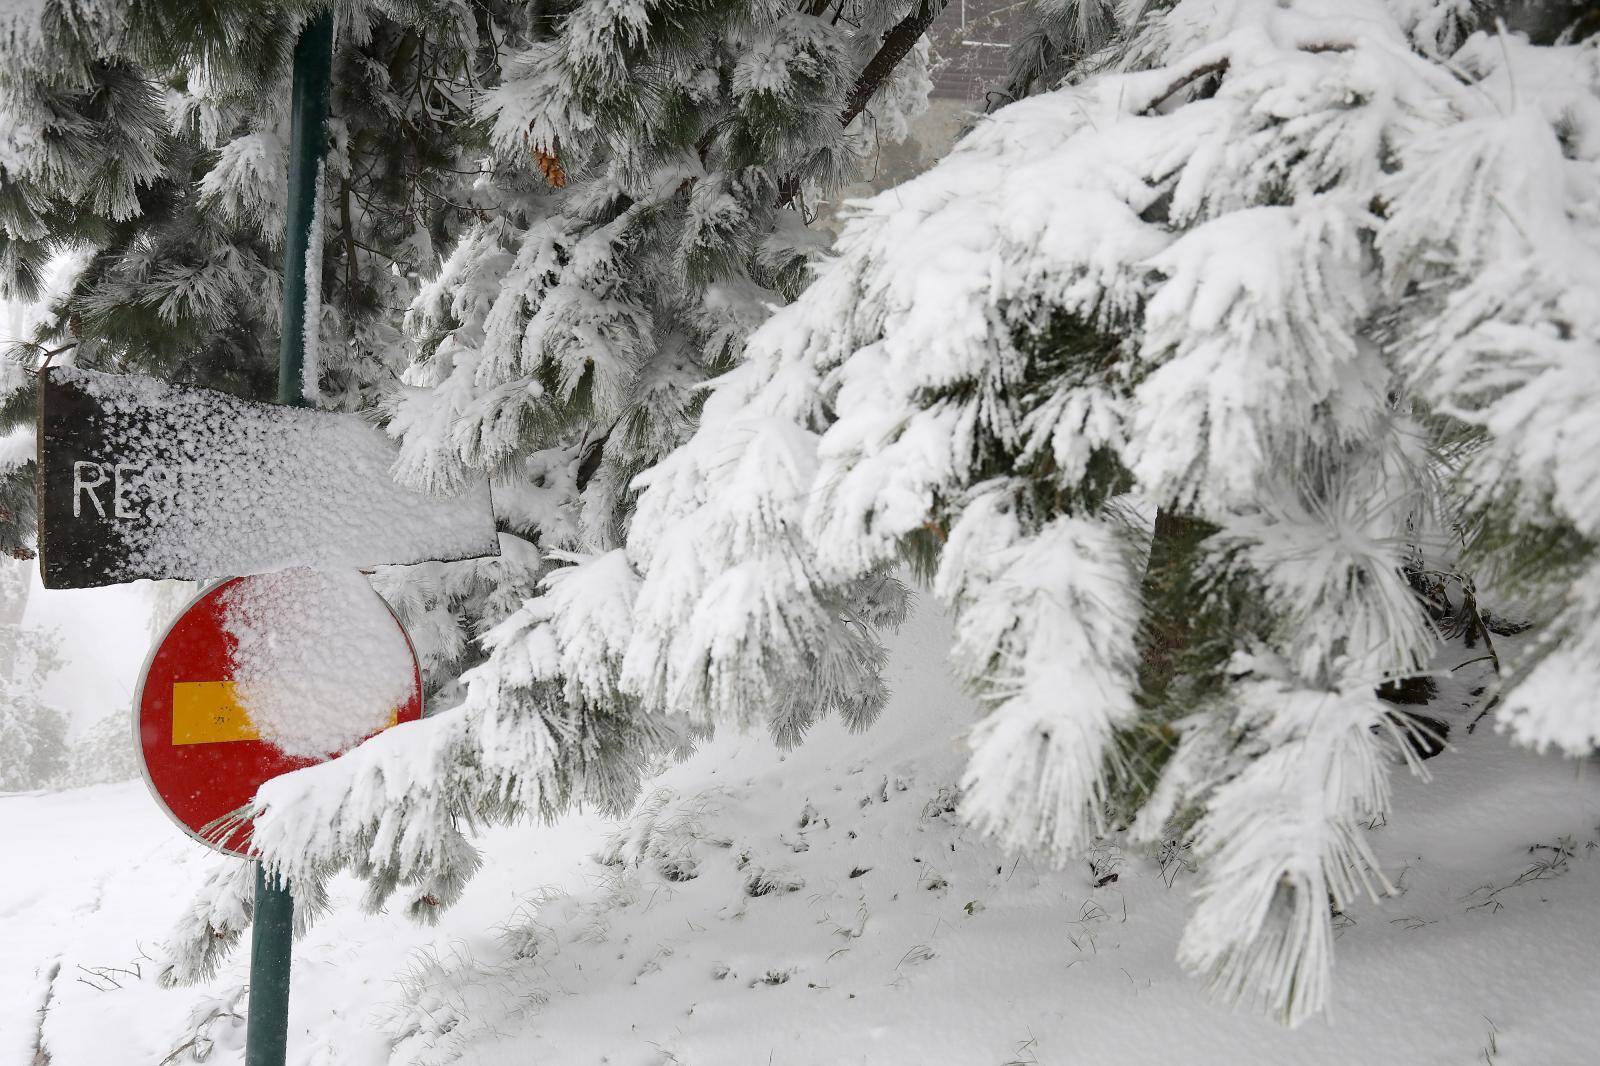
column 1282, row 842
column 1037, row 777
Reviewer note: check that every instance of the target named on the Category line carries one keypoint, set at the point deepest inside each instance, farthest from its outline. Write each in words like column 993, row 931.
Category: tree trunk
column 1171, row 598
column 896, row 44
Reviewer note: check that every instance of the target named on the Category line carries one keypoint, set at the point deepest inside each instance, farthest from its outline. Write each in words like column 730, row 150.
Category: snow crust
column 216, row 487
column 319, row 662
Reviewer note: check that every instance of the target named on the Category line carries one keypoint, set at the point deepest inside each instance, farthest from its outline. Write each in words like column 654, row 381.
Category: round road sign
column 201, row 755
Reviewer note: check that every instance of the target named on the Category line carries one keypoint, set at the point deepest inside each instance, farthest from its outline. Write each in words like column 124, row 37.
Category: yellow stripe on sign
column 209, row 712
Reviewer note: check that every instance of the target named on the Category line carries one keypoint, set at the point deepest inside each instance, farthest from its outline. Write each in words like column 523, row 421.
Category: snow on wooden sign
column 142, row 479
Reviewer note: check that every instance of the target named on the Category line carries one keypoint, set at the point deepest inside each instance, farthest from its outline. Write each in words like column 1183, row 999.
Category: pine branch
column 897, row 43
column 46, row 354
column 1183, row 81
column 1196, row 73
column 593, row 453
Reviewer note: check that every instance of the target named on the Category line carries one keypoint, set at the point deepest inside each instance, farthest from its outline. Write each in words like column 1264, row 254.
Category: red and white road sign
column 202, row 756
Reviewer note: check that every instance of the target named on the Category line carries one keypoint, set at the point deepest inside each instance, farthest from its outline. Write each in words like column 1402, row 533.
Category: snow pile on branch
column 1283, row 842
column 382, row 809
column 1035, row 779
column 319, row 662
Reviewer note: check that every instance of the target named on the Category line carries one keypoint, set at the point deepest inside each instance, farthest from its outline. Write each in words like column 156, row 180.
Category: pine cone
column 550, row 166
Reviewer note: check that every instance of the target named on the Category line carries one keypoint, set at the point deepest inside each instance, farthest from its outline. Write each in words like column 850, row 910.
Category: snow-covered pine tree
column 654, row 167
column 1237, row 283
column 89, row 163
column 34, row 753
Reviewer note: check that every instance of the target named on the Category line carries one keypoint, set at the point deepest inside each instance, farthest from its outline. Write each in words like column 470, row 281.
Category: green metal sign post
column 308, row 109
column 272, row 935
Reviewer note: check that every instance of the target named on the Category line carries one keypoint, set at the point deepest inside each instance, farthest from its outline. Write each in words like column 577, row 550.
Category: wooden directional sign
column 201, row 754
column 142, row 479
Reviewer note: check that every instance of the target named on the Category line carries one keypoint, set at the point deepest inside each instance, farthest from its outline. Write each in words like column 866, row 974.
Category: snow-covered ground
column 824, row 906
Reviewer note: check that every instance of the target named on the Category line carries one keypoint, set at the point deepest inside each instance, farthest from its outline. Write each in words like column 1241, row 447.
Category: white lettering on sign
column 116, row 491
column 80, row 486
column 146, row 492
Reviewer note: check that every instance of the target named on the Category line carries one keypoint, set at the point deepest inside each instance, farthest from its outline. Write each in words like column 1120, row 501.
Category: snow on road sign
column 203, row 757
column 142, row 479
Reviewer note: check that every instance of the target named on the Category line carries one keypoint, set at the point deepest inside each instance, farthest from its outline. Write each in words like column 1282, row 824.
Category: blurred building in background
column 970, row 39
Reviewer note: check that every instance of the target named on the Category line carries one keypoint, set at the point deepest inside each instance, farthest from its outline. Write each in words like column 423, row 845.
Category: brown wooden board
column 141, row 479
